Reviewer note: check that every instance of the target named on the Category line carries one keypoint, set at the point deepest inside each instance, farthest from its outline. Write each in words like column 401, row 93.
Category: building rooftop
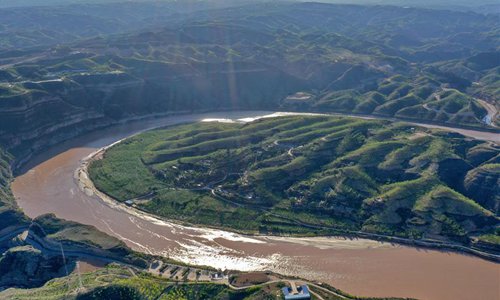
column 296, row 293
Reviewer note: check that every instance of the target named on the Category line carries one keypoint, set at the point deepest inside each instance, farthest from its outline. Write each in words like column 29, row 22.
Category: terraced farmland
column 311, row 175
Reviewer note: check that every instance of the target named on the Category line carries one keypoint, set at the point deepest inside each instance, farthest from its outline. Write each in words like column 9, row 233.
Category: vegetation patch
column 305, row 175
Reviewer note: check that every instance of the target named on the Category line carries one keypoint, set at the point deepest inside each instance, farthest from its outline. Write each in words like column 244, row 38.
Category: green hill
column 306, row 175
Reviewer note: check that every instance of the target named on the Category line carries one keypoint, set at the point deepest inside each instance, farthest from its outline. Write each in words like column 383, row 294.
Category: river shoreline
column 86, row 185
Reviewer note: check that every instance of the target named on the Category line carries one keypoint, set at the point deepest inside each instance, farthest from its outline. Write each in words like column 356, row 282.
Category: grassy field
column 111, row 281
column 335, row 174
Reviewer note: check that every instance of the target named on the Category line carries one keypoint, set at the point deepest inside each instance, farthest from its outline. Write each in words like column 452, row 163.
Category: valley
column 217, row 149
column 354, row 263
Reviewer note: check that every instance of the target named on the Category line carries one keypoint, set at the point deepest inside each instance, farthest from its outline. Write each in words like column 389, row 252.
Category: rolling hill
column 408, row 63
column 310, row 175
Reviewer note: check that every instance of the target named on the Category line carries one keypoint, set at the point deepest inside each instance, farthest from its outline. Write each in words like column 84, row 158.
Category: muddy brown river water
column 362, row 267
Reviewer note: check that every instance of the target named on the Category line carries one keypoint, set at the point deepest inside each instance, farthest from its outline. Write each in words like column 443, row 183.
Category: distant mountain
column 389, row 61
column 193, row 3
column 483, row 6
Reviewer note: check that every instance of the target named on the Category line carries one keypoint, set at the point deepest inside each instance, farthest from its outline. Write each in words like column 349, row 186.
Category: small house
column 296, row 292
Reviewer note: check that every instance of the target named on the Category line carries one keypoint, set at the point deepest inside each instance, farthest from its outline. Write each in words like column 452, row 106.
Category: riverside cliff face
column 25, row 266
column 45, row 112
